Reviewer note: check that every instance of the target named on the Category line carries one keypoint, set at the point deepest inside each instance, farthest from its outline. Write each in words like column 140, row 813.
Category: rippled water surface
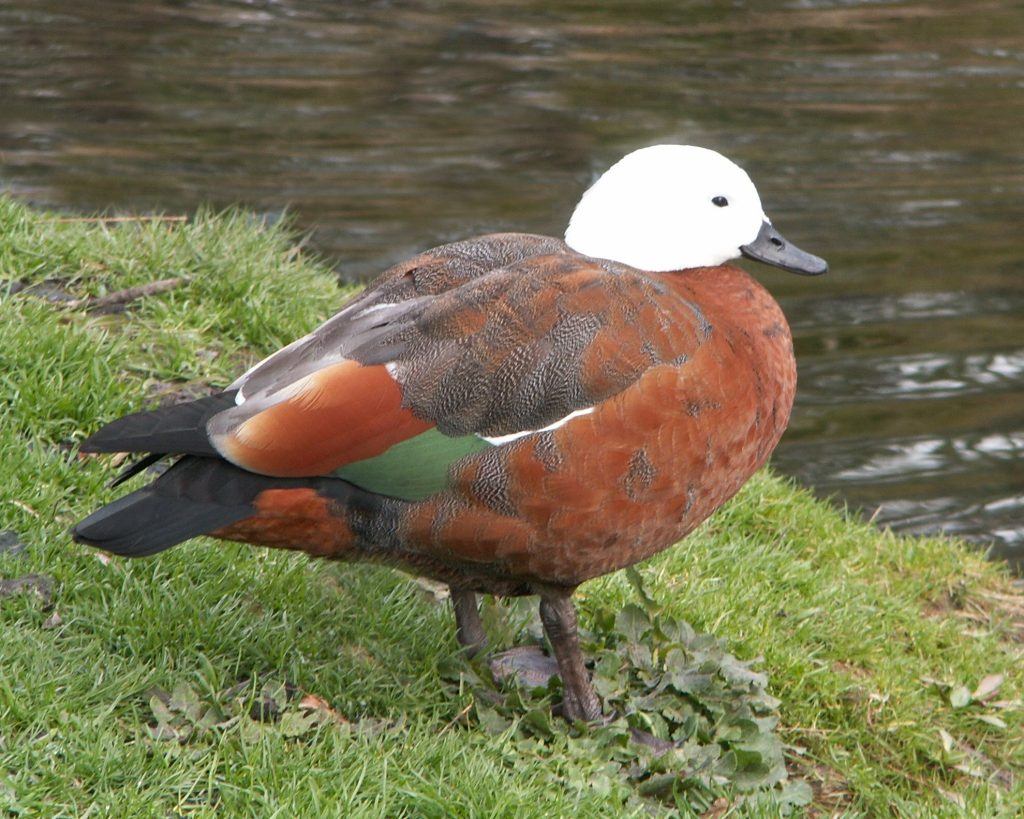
column 885, row 136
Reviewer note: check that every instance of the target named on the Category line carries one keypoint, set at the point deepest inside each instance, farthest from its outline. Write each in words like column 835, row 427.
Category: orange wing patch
column 336, row 416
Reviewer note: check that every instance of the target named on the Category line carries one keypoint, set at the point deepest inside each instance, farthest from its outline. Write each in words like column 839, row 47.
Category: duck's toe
column 528, row 665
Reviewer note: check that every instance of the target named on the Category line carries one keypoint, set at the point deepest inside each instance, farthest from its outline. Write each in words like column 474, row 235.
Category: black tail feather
column 178, row 429
column 194, row 497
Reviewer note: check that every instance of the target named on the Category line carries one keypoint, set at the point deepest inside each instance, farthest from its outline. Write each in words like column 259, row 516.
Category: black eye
column 720, row 201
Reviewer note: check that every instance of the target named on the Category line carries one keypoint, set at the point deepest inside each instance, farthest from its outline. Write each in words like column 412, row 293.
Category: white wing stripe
column 504, row 439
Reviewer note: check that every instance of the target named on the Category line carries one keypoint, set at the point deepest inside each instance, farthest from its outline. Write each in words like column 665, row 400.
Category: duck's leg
column 468, row 628
column 558, row 615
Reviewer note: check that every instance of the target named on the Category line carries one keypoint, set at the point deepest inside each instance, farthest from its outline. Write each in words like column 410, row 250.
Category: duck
column 511, row 414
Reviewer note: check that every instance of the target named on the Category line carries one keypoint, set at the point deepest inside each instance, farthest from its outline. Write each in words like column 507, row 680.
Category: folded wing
column 446, row 354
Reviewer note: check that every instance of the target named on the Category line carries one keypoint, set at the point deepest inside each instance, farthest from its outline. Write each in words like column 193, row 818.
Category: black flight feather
column 178, row 429
column 135, row 467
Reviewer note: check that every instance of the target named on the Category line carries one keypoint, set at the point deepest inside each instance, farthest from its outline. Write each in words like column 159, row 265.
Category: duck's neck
column 731, row 293
column 739, row 309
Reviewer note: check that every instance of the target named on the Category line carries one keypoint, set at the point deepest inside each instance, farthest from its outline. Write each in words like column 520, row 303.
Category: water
column 885, row 136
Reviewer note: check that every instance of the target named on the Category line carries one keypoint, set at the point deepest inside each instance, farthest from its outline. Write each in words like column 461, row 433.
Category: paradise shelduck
column 511, row 414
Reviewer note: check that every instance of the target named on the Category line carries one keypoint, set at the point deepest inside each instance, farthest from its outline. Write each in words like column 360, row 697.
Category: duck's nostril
column 777, row 241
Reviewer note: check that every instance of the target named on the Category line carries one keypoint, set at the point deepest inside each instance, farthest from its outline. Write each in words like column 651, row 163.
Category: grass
column 872, row 642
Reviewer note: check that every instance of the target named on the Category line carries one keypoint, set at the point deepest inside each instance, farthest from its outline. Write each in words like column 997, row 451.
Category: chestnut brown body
column 606, row 489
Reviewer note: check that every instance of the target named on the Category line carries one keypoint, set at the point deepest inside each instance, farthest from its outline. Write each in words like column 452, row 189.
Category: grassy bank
column 874, row 644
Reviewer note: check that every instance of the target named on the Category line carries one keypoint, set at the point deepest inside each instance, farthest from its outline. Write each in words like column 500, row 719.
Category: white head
column 671, row 207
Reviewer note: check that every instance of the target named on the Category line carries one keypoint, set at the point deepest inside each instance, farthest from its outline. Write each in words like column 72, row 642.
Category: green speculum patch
column 413, row 469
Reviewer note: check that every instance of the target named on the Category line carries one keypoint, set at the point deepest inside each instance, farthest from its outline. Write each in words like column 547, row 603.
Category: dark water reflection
column 886, row 136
